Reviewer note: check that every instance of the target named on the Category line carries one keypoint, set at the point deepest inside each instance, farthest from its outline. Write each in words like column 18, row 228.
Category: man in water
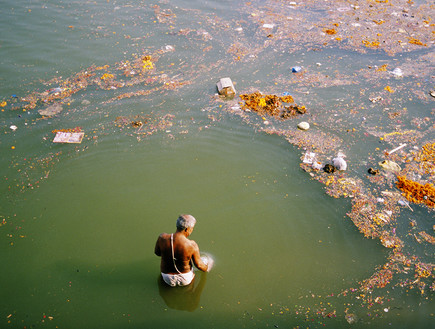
column 177, row 253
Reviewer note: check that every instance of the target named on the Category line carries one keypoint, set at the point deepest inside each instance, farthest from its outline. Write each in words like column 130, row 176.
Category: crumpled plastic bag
column 390, row 165
column 339, row 163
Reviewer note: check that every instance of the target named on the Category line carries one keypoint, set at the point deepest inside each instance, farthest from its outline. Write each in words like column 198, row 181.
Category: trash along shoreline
column 374, row 214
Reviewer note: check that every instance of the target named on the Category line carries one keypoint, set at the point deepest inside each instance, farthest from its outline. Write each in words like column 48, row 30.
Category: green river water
column 80, row 221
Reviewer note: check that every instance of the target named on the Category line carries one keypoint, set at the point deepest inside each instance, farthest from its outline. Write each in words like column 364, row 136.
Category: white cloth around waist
column 179, row 279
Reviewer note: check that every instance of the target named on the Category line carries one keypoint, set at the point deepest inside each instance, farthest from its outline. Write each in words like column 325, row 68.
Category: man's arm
column 157, row 247
column 197, row 258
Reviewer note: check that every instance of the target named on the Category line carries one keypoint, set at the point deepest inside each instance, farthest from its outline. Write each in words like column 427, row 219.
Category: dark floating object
column 329, row 168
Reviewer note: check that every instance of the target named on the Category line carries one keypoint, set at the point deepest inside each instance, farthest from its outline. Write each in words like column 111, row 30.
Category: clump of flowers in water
column 416, row 192
column 271, row 105
column 379, row 279
column 107, row 76
column 426, row 158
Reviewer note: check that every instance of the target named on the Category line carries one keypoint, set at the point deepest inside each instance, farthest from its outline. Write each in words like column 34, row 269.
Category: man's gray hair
column 185, row 221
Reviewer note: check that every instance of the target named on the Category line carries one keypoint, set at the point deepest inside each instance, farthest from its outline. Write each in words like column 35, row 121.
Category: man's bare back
column 179, row 254
column 185, row 251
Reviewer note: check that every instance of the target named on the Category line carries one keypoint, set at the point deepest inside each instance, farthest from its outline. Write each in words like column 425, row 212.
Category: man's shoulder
column 164, row 236
column 193, row 244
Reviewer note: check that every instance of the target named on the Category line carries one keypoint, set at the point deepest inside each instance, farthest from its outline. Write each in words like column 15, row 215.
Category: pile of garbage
column 271, row 105
column 416, row 192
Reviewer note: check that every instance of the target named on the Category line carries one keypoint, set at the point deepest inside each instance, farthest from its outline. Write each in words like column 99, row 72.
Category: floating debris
column 63, row 137
column 397, row 72
column 379, row 280
column 265, row 104
column 309, row 157
column 339, row 163
column 226, row 87
column 390, row 165
column 416, row 192
column 296, row 69
column 137, row 124
column 292, row 110
column 329, row 168
column 396, row 149
column 51, row 110
column 303, row 125
column 429, row 238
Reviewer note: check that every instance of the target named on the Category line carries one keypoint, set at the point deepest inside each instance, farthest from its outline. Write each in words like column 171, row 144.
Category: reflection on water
column 183, row 298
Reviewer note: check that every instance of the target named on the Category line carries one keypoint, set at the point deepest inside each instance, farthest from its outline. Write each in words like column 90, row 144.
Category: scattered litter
column 350, row 318
column 13, row 127
column 316, row 165
column 405, row 203
column 309, row 157
column 268, row 26
column 372, row 171
column 380, row 219
column 137, row 124
column 168, row 48
column 397, row 72
column 375, row 99
column 396, row 149
column 51, row 110
column 55, row 91
column 303, row 125
column 339, row 162
column 329, row 168
column 66, row 137
column 296, row 69
column 429, row 238
column 390, row 165
column 226, row 87
column 293, row 110
column 389, row 89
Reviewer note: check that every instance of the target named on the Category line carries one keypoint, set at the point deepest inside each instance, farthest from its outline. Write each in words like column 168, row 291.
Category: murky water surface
column 78, row 222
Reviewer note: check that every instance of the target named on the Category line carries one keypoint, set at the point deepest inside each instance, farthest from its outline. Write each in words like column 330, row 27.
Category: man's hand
column 207, row 260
